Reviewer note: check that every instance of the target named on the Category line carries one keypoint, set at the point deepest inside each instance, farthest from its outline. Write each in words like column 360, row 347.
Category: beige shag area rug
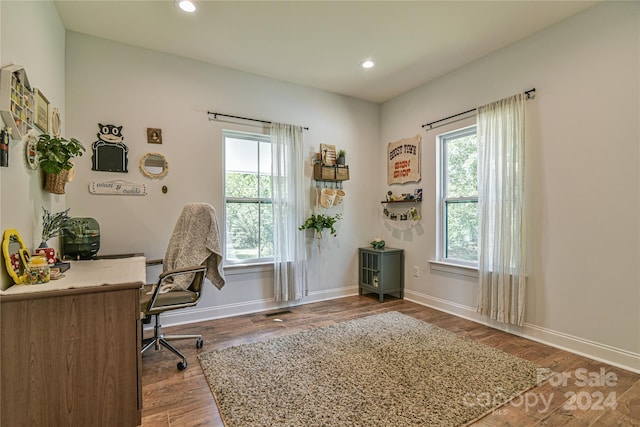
column 382, row 370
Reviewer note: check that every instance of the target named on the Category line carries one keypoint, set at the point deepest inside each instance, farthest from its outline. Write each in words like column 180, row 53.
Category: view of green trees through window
column 248, row 209
column 460, row 191
column 249, row 213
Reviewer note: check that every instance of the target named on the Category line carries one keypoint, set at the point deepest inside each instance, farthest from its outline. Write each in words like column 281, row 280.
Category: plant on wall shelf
column 319, row 222
column 54, row 156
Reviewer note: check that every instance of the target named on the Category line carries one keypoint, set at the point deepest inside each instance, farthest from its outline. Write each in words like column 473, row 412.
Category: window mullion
column 461, row 199
column 259, row 205
column 247, row 200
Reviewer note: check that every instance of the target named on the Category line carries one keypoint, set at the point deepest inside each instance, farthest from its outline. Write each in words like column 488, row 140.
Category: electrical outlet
column 416, row 271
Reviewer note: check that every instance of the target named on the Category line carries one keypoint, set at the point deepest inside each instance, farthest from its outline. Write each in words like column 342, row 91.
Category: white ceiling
column 322, row 43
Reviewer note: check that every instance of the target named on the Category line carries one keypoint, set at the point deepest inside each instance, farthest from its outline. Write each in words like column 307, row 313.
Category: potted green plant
column 54, row 156
column 318, row 222
column 52, row 225
column 341, row 157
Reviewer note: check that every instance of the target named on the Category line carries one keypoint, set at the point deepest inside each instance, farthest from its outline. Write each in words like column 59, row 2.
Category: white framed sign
column 120, row 188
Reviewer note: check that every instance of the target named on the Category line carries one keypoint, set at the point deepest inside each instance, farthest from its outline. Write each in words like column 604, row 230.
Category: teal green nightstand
column 381, row 271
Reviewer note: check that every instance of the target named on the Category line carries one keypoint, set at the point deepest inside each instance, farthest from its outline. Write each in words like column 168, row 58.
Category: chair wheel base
column 182, row 365
column 199, row 343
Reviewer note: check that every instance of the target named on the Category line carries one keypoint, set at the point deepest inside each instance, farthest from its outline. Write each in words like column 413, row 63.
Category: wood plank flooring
column 583, row 393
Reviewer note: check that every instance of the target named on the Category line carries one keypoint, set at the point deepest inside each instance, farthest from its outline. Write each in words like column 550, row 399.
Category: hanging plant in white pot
column 320, row 222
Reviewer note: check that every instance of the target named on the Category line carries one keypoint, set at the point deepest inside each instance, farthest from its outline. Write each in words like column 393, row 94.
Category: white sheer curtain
column 290, row 262
column 501, row 214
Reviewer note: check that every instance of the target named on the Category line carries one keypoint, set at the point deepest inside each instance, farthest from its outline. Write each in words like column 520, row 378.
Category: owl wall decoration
column 109, row 152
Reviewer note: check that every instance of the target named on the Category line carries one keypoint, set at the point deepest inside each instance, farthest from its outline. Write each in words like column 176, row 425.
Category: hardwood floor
column 584, row 392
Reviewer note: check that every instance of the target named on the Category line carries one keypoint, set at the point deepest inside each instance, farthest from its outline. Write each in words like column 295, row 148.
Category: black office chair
column 156, row 303
column 194, row 240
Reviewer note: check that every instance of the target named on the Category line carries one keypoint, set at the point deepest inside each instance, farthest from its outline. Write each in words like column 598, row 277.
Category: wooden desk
column 70, row 348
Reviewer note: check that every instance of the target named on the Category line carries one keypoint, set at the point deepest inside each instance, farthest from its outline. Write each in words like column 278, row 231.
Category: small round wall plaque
column 56, row 122
column 30, row 153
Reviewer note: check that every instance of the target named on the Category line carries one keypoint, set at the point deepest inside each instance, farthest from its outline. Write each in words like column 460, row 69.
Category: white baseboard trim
column 197, row 314
column 601, row 352
column 328, row 294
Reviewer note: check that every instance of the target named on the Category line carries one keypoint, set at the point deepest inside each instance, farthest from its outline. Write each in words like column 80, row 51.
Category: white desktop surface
column 84, row 274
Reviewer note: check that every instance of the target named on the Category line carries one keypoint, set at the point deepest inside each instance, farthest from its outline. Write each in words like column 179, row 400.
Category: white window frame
column 442, row 201
column 258, row 200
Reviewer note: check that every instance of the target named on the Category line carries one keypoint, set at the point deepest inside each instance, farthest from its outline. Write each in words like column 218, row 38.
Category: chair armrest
column 171, row 273
column 183, row 270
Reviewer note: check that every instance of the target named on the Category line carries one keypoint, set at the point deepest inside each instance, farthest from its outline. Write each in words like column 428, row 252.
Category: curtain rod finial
column 531, row 93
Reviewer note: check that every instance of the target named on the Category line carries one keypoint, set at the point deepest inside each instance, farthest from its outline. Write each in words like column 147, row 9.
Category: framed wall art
column 328, row 153
column 41, row 111
column 154, row 136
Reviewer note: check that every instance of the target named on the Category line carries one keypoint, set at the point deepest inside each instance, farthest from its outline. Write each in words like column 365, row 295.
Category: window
column 247, row 198
column 458, row 198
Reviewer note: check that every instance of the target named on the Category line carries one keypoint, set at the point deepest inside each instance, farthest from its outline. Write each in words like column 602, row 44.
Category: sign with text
column 403, row 159
column 121, row 188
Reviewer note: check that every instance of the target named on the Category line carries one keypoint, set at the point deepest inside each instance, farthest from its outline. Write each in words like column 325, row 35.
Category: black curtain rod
column 530, row 95
column 215, row 116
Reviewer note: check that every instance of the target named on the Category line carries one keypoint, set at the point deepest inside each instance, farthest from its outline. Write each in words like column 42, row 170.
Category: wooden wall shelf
column 401, row 201
column 16, row 100
column 322, row 172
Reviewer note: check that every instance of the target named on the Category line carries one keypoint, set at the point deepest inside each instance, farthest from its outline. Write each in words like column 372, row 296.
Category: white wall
column 119, row 84
column 583, row 162
column 32, row 35
column 583, row 182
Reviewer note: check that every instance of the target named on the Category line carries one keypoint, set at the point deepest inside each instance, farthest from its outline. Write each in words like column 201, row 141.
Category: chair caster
column 199, row 343
column 182, row 365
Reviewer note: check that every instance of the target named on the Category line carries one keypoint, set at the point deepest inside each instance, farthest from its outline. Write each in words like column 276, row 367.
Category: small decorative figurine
column 378, row 243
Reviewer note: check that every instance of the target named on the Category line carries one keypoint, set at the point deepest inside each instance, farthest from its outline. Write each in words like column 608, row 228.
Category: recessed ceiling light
column 187, row 5
column 367, row 64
